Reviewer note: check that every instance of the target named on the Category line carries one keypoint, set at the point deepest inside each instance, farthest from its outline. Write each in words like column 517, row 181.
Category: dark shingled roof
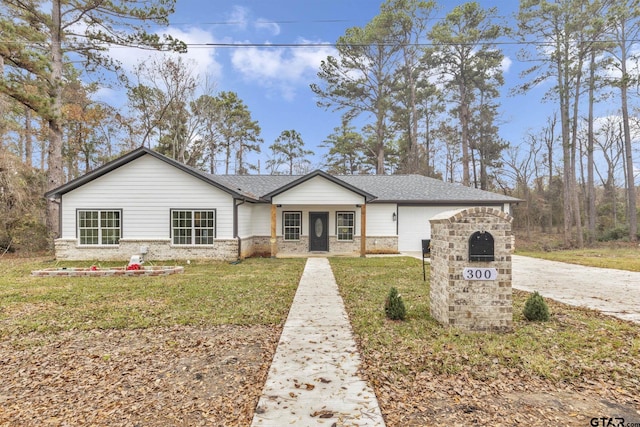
column 420, row 189
column 386, row 188
column 406, row 189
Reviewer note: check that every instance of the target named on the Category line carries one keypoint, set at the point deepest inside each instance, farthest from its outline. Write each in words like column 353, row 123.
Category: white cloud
column 283, row 69
column 203, row 57
column 506, row 64
column 239, row 17
column 263, row 24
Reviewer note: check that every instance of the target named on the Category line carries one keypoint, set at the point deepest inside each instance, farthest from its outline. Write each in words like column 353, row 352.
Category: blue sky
column 274, row 82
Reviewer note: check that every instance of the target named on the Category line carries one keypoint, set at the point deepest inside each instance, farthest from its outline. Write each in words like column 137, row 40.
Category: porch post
column 363, row 230
column 274, row 247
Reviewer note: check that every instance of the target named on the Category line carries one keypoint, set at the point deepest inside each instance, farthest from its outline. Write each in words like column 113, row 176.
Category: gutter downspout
column 235, row 223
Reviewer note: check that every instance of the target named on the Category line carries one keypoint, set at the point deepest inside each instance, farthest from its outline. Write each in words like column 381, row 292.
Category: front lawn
column 194, row 349
column 255, row 291
column 621, row 258
column 191, row 349
column 561, row 372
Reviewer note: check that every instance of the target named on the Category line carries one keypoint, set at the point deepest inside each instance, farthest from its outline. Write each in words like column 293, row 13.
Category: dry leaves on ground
column 193, row 377
column 148, row 377
column 493, row 396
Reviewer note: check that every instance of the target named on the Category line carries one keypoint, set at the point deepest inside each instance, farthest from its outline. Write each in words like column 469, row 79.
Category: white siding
column 245, row 217
column 380, row 220
column 146, row 189
column 261, row 220
column 254, row 220
column 318, row 191
column 331, row 209
column 414, row 225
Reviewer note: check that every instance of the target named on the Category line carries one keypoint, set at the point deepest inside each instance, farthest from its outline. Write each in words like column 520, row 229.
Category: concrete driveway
column 613, row 292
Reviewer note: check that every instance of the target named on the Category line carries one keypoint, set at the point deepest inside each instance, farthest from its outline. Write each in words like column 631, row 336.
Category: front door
column 318, row 231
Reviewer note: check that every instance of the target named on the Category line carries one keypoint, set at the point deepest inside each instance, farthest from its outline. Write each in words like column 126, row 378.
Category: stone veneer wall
column 67, row 249
column 375, row 245
column 258, row 246
column 470, row 304
column 382, row 244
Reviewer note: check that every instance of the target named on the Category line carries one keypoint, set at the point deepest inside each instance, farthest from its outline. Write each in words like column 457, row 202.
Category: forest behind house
column 416, row 95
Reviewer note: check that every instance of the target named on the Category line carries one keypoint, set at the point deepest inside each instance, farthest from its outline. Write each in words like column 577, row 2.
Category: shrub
column 394, row 306
column 617, row 233
column 536, row 309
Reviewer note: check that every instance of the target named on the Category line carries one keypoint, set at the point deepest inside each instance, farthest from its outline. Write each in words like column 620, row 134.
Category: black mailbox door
column 426, row 247
column 481, row 247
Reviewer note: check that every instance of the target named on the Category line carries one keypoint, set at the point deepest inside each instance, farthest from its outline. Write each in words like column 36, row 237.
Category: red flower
column 134, row 267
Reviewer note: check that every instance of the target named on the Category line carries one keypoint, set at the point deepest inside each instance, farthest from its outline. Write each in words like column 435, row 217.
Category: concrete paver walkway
column 313, row 379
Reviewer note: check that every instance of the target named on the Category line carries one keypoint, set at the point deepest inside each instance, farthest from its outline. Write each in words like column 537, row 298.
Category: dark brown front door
column 318, row 231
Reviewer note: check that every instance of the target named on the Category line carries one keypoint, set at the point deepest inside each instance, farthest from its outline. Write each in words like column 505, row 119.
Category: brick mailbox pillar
column 471, row 269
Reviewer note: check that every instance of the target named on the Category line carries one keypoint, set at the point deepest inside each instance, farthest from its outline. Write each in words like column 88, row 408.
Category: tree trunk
column 380, row 131
column 550, row 139
column 631, row 186
column 3, row 108
column 28, row 140
column 464, row 124
column 427, row 143
column 227, row 158
column 566, row 149
column 591, row 192
column 55, row 175
column 575, row 200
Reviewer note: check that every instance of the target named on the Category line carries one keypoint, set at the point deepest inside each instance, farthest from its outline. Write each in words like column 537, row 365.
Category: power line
column 240, row 45
column 386, row 44
column 279, row 22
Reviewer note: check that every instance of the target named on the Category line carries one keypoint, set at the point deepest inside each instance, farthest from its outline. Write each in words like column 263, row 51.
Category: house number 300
column 480, row 273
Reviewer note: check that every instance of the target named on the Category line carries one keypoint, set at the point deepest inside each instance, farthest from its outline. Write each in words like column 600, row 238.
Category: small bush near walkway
column 536, row 309
column 394, row 306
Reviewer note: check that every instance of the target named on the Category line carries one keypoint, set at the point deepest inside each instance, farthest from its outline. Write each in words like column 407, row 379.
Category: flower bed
column 162, row 270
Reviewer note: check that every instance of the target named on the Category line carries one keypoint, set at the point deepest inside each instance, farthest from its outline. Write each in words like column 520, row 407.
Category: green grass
column 574, row 344
column 256, row 291
column 626, row 258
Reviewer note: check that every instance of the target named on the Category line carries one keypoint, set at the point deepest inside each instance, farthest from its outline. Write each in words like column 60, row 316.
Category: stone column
column 471, row 291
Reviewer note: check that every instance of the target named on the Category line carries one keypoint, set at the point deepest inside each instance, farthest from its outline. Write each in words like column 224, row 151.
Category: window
column 193, row 227
column 345, row 223
column 99, row 227
column 292, row 225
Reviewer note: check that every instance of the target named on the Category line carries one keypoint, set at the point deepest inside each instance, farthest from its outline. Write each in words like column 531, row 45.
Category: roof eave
column 127, row 158
column 447, row 202
column 367, row 196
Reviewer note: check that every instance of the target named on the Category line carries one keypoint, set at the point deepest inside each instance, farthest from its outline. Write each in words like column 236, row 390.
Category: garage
column 413, row 224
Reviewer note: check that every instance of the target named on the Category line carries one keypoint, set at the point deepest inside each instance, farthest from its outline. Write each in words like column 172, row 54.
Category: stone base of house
column 260, row 246
column 255, row 246
column 382, row 244
column 226, row 250
column 156, row 250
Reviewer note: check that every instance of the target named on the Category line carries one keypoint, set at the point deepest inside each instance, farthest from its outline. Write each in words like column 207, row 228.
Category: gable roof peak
column 304, row 178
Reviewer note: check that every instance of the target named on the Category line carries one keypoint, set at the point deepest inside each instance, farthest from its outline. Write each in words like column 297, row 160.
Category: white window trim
column 284, row 226
column 353, row 227
column 100, row 228
column 193, row 227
